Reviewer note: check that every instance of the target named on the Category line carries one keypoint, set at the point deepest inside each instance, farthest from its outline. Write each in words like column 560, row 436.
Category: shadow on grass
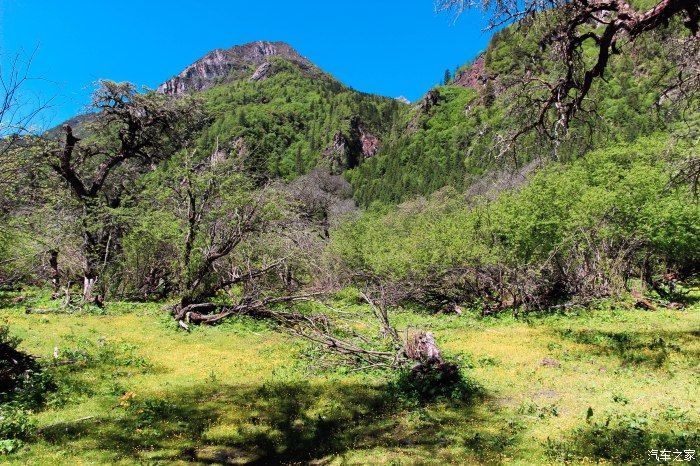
column 282, row 423
column 10, row 299
column 624, row 440
column 635, row 348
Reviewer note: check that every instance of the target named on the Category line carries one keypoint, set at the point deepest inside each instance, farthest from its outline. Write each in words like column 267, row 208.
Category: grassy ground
column 603, row 385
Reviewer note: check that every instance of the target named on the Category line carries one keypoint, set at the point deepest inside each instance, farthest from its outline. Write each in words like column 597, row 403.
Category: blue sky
column 386, row 47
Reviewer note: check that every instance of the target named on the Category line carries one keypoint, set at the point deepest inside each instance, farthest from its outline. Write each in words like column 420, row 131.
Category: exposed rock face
column 249, row 60
column 474, row 77
column 427, row 103
column 263, row 72
column 340, row 153
column 369, row 142
column 348, row 151
column 430, row 100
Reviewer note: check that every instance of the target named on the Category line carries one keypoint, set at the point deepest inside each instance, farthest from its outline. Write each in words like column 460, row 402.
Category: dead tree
column 55, row 274
column 222, row 215
column 416, row 351
column 128, row 128
column 564, row 27
column 18, row 109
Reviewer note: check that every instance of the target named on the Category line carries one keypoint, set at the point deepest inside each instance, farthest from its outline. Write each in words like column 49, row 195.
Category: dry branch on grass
column 212, row 313
column 416, row 350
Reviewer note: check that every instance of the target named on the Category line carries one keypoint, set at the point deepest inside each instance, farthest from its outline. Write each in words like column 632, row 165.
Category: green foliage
column 612, row 210
column 281, row 125
column 621, row 439
column 16, row 426
column 431, row 155
column 433, row 385
column 464, row 136
column 90, row 353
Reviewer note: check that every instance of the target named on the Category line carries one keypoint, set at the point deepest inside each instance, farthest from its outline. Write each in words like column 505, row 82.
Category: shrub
column 430, row 385
column 22, row 380
column 16, row 426
column 575, row 231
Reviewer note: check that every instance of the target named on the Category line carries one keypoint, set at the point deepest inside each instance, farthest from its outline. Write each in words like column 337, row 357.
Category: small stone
column 549, row 362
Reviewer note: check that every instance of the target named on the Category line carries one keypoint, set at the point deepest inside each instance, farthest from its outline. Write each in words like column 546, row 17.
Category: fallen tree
column 212, row 313
column 414, row 351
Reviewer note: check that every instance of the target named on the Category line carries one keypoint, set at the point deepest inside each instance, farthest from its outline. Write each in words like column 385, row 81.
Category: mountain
column 250, row 60
column 450, row 137
column 280, row 115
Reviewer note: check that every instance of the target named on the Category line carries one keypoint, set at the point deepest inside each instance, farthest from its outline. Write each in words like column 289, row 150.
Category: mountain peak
column 219, row 64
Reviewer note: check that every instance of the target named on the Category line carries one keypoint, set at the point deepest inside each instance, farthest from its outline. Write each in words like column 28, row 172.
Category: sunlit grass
column 244, row 392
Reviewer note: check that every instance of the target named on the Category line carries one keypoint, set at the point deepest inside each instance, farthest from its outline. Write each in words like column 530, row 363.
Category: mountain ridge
column 251, row 60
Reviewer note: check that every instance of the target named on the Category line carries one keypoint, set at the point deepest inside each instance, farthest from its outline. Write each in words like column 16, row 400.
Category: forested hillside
column 287, row 123
column 451, row 137
column 257, row 264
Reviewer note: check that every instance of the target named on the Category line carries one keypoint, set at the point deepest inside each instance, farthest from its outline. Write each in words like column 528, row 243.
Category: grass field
column 601, row 385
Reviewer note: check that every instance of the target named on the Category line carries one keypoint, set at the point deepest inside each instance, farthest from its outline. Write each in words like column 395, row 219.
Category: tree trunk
column 55, row 275
column 89, row 296
column 422, row 349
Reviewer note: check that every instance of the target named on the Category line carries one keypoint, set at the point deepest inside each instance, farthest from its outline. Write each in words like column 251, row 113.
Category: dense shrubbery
column 574, row 231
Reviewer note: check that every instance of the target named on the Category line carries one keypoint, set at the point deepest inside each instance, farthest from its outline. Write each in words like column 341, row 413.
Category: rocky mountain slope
column 453, row 135
column 250, row 60
column 280, row 115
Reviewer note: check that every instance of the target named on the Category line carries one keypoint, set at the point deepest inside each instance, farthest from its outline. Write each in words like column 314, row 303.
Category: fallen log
column 212, row 313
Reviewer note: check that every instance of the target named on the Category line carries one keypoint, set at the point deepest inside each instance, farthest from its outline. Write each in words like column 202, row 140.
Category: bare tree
column 128, row 132
column 566, row 27
column 18, row 108
column 229, row 229
column 18, row 111
column 322, row 198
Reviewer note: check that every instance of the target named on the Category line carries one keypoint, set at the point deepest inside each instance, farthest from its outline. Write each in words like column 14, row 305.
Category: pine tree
column 447, row 78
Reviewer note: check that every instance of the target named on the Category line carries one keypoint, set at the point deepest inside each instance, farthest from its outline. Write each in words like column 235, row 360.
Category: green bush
column 574, row 230
column 444, row 382
column 16, row 426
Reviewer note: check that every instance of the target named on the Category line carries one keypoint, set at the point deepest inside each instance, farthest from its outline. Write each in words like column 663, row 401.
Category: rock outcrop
column 239, row 62
column 474, row 76
column 349, row 150
column 263, row 72
column 430, row 100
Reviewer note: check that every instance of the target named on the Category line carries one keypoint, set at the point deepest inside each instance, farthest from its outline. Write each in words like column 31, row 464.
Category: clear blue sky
column 386, row 47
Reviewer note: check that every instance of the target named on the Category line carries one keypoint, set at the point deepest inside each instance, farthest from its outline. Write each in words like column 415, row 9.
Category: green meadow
column 600, row 385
